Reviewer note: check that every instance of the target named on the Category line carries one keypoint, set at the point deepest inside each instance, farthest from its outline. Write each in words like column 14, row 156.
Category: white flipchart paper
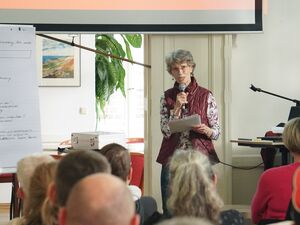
column 20, row 131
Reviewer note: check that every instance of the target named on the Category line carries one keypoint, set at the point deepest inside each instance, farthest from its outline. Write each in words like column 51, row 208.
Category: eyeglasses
column 177, row 69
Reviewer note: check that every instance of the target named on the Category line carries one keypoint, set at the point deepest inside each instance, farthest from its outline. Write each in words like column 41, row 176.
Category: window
column 124, row 117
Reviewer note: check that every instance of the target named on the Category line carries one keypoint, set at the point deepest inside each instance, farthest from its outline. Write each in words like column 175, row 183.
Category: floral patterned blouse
column 185, row 143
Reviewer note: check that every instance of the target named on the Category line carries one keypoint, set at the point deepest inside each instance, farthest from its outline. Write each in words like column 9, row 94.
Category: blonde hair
column 34, row 204
column 291, row 135
column 26, row 167
column 185, row 221
column 192, row 189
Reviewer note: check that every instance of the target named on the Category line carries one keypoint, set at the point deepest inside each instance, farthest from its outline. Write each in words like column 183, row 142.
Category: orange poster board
column 129, row 4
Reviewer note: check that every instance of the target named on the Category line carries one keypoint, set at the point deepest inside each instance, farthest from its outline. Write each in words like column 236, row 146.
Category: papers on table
column 277, row 130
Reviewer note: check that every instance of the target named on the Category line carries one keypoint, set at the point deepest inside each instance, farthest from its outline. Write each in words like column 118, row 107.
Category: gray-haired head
column 179, row 56
column 186, row 221
column 192, row 186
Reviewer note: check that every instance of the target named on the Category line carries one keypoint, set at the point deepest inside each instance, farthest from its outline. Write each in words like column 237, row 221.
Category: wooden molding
column 4, row 207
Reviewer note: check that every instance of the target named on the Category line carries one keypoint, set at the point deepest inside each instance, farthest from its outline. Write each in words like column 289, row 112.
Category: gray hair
column 185, row 221
column 179, row 56
column 192, row 188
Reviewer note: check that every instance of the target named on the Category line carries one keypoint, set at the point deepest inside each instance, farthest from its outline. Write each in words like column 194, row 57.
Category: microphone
column 255, row 88
column 181, row 88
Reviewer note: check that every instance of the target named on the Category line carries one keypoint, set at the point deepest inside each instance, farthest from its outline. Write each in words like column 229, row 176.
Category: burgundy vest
column 197, row 104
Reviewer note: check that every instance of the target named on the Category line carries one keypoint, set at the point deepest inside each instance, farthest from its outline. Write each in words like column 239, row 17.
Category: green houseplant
column 109, row 71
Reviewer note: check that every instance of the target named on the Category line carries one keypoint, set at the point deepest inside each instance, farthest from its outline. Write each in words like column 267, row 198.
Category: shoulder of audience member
column 156, row 217
column 231, row 217
column 287, row 222
column 16, row 221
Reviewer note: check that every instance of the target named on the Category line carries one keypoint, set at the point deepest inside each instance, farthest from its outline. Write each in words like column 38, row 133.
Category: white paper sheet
column 20, row 132
column 184, row 124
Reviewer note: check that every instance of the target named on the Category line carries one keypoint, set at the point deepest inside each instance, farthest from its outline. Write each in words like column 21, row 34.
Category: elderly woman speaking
column 186, row 98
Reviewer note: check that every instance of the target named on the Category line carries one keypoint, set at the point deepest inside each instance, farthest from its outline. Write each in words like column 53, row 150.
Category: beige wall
column 211, row 56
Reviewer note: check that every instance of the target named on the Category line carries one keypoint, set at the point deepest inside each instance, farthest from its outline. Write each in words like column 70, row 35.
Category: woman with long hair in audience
column 192, row 186
column 193, row 190
column 37, row 210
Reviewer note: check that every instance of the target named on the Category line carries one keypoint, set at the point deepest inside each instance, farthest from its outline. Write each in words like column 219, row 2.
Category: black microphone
column 253, row 88
column 181, row 88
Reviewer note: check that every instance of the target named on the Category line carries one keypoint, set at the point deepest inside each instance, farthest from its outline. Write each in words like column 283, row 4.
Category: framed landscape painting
column 58, row 63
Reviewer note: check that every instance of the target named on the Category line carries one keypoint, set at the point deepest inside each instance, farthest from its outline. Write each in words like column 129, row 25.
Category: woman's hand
column 181, row 99
column 203, row 129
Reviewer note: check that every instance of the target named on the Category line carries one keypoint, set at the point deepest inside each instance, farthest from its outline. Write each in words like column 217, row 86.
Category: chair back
column 137, row 163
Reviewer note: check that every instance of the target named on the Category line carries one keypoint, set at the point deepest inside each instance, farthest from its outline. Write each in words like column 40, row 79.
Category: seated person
column 73, row 167
column 105, row 200
column 25, row 169
column 36, row 194
column 37, row 209
column 119, row 159
column 193, row 191
column 120, row 162
column 271, row 199
column 185, row 221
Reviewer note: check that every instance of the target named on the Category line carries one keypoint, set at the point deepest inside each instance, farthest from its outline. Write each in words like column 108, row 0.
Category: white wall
column 271, row 61
column 60, row 106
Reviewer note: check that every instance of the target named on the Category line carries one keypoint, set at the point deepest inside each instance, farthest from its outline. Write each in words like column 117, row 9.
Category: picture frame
column 58, row 63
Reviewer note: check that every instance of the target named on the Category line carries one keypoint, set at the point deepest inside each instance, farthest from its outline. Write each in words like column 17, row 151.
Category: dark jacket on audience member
column 227, row 217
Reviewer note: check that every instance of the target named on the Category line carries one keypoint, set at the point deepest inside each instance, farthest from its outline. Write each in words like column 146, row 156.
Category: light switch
column 82, row 111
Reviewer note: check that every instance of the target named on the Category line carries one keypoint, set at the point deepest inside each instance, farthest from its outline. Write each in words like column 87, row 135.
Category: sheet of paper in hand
column 184, row 124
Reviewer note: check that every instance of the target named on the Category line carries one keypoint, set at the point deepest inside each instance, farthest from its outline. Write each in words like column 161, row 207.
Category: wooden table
column 258, row 143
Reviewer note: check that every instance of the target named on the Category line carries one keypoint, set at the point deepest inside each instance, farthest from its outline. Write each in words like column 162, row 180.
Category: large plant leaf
column 128, row 50
column 110, row 73
column 135, row 40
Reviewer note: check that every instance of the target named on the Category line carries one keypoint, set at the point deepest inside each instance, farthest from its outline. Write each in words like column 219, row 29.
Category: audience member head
column 42, row 176
column 105, row 199
column 119, row 159
column 25, row 169
column 291, row 135
column 73, row 167
column 192, row 186
column 185, row 221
